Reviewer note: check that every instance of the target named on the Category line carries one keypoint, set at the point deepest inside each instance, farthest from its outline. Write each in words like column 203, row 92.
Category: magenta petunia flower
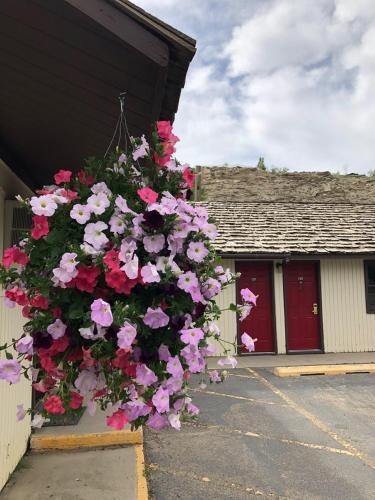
column 101, row 313
column 145, row 376
column 10, row 370
column 155, row 318
column 126, row 335
column 161, row 400
column 174, row 367
column 147, row 195
column 192, row 335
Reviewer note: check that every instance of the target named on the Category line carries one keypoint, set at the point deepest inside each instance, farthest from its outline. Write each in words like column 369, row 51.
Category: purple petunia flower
column 10, row 370
column 174, row 367
column 161, row 400
column 101, row 313
column 145, row 376
column 155, row 318
column 197, row 251
column 157, row 421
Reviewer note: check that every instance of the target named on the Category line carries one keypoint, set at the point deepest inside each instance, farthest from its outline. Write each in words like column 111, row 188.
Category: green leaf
column 75, row 310
column 8, row 355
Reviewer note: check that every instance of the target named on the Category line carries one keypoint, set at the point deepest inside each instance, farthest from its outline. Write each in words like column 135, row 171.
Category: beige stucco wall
column 346, row 325
column 13, row 435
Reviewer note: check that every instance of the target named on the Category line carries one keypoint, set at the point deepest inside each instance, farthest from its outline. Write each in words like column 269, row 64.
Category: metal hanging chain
column 121, row 126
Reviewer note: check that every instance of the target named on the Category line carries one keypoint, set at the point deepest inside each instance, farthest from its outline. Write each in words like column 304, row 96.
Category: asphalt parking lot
column 259, row 435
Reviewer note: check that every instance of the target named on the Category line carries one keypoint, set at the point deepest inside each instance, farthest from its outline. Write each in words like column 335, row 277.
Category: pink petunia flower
column 164, row 129
column 57, row 329
column 62, row 176
column 150, row 274
column 145, row 376
column 126, row 335
column 248, row 342
column 174, row 420
column 94, row 234
column 161, row 400
column 248, row 296
column 98, row 203
column 147, row 195
column 10, row 370
column 155, row 318
column 164, row 353
column 20, row 413
column 123, row 206
column 192, row 336
column 141, row 150
column 174, row 367
column 80, row 213
column 43, row 205
column 117, row 420
column 101, row 313
column 13, row 255
column 229, row 360
column 197, row 251
column 85, row 382
column 25, row 345
column 187, row 281
column 154, row 243
column 40, row 228
column 157, row 421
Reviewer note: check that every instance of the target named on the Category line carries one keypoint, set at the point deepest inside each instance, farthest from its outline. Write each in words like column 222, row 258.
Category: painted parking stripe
column 369, row 461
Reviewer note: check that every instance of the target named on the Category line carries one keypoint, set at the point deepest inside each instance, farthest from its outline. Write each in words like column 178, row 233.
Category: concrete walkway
column 106, row 474
column 81, row 462
column 270, row 361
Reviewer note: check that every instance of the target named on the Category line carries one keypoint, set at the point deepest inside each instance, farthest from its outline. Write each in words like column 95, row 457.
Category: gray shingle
column 293, row 228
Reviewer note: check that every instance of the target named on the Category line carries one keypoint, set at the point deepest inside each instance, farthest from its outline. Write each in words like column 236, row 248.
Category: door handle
column 315, row 309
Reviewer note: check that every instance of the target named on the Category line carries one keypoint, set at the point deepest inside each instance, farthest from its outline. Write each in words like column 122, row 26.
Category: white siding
column 228, row 320
column 13, row 435
column 279, row 308
column 346, row 325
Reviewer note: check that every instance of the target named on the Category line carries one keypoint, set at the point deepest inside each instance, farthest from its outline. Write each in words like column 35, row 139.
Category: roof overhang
column 64, row 65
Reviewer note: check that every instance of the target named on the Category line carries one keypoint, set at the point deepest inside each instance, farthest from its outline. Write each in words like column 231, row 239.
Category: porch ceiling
column 64, row 64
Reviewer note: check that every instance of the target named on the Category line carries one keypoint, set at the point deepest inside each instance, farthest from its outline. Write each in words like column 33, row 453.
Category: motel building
column 313, row 267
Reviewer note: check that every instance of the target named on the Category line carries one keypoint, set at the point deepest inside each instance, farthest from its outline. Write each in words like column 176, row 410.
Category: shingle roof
column 293, row 228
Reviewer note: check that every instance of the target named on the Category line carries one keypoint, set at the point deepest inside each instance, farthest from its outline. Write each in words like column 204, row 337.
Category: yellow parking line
column 295, row 371
column 260, row 435
column 251, row 400
column 370, row 462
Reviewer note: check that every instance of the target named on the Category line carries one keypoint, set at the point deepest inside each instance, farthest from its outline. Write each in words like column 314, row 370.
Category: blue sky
column 290, row 80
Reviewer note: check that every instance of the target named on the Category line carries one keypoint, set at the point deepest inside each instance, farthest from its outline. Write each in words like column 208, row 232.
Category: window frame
column 370, row 309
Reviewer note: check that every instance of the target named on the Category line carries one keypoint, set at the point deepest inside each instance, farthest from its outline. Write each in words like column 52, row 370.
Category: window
column 370, row 285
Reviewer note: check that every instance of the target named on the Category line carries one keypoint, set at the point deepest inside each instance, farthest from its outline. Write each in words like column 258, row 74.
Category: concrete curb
column 90, row 440
column 295, row 371
column 142, row 488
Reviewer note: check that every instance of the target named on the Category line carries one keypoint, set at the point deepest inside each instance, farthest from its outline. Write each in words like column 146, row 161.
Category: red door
column 257, row 276
column 302, row 306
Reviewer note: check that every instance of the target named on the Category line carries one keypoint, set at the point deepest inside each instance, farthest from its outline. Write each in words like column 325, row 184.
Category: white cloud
column 290, row 81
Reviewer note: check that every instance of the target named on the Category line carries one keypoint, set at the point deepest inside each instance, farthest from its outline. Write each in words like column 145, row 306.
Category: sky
column 292, row 81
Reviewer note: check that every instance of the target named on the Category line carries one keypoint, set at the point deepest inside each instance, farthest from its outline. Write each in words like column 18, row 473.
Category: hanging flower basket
column 117, row 281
